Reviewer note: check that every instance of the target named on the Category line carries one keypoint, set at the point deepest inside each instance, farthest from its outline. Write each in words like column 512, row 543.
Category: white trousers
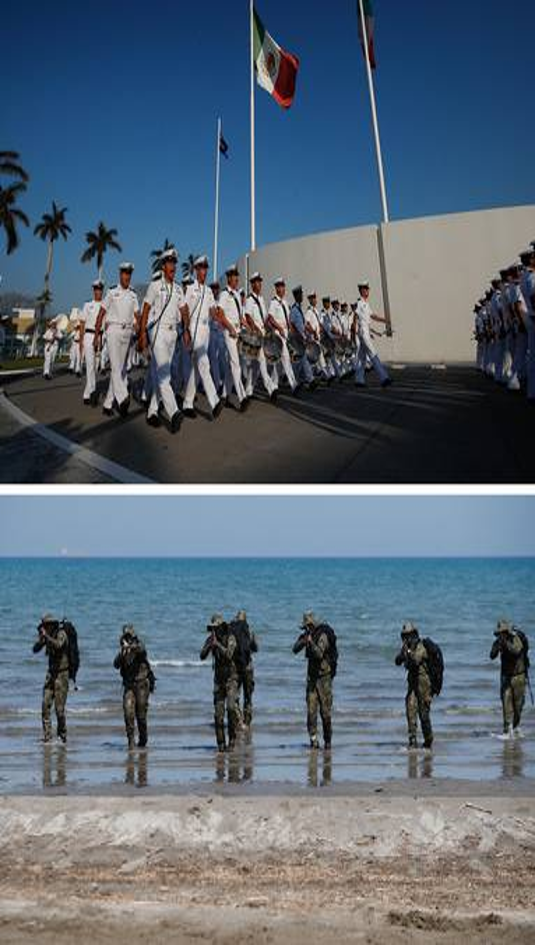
column 233, row 370
column 91, row 365
column 50, row 357
column 365, row 349
column 254, row 369
column 217, row 357
column 285, row 366
column 118, row 343
column 519, row 362
column 200, row 370
column 303, row 371
column 163, row 341
column 530, row 360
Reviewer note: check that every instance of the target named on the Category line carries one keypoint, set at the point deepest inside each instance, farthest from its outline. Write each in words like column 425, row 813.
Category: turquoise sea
column 454, row 601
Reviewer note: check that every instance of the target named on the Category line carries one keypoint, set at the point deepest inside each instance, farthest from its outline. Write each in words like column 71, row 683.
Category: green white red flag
column 275, row 68
column 369, row 29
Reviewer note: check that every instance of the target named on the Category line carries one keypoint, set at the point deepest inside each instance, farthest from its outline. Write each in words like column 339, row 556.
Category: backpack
column 436, row 665
column 333, row 653
column 242, row 656
column 526, row 646
column 72, row 649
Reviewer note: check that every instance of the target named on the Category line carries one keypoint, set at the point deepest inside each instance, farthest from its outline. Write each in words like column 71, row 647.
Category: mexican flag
column 276, row 69
column 369, row 28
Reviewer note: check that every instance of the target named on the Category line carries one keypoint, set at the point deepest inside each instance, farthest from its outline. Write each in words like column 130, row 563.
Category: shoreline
column 441, row 863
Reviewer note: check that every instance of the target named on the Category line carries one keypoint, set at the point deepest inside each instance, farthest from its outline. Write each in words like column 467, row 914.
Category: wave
column 179, row 663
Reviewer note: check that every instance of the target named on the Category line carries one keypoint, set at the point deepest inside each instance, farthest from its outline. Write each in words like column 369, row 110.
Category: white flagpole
column 374, row 116
column 252, row 122
column 217, row 210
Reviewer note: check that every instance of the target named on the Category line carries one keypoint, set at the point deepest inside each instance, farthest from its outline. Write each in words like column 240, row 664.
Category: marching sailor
column 313, row 330
column 520, row 326
column 90, row 312
column 198, row 310
column 297, row 327
column 229, row 316
column 366, row 347
column 217, row 353
column 278, row 321
column 51, row 342
column 160, row 320
column 119, row 310
column 255, row 316
column 527, row 288
column 329, row 336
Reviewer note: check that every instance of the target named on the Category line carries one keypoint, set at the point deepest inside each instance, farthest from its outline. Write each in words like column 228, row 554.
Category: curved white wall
column 432, row 272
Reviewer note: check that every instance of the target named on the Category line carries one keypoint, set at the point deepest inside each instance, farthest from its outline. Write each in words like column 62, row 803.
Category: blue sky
column 267, row 525
column 113, row 108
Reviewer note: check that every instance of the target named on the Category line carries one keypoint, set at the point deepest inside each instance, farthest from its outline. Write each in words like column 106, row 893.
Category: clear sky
column 113, row 108
column 266, row 525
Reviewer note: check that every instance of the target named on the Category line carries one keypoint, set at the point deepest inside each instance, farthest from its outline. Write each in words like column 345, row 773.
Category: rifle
column 530, row 687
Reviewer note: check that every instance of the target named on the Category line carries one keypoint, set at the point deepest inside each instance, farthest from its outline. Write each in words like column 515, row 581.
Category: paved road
column 431, row 426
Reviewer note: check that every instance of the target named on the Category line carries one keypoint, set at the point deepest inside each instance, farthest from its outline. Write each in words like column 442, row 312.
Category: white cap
column 363, row 284
column 254, row 276
column 169, row 254
column 127, row 267
column 97, row 284
column 279, row 281
column 201, row 261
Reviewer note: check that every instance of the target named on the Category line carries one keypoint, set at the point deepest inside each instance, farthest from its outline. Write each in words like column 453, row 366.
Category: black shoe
column 190, row 412
column 108, row 411
column 153, row 420
column 225, row 402
column 87, row 401
column 175, row 422
column 386, row 382
column 94, row 399
column 273, row 396
column 243, row 406
column 123, row 407
column 216, row 411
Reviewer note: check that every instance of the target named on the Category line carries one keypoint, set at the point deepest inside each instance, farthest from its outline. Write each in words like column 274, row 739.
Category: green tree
column 188, row 265
column 11, row 215
column 50, row 228
column 99, row 242
column 156, row 254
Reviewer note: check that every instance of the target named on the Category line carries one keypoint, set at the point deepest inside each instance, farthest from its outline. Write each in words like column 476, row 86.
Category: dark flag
column 224, row 147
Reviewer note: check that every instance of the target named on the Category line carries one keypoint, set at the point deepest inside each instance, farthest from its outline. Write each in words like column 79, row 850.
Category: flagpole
column 252, row 125
column 383, row 191
column 217, row 209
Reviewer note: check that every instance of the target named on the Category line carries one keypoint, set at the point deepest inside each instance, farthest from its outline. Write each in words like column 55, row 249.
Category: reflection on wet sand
column 314, row 766
column 136, row 768
column 420, row 766
column 234, row 766
column 54, row 766
column 512, row 759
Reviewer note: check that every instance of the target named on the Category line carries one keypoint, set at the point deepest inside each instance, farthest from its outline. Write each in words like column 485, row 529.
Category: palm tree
column 156, row 254
column 42, row 302
column 9, row 164
column 10, row 214
column 99, row 241
column 188, row 266
column 52, row 226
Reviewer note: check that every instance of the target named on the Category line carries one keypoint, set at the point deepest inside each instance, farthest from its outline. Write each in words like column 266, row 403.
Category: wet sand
column 383, row 863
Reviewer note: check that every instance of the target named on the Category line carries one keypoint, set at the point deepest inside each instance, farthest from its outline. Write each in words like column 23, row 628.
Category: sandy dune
column 366, row 867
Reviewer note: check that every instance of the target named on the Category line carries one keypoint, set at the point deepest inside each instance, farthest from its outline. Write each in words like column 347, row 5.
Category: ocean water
column 454, row 601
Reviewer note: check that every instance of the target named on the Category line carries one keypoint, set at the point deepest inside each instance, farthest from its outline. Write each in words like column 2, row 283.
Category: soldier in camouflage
column 414, row 657
column 221, row 643
column 138, row 683
column 56, row 645
column 247, row 673
column 509, row 646
column 319, row 687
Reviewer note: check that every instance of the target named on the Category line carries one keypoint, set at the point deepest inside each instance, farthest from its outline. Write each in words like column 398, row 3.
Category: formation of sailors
column 504, row 326
column 196, row 335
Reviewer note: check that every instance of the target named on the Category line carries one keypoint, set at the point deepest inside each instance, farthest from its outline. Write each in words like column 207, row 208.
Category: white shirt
column 312, row 319
column 297, row 319
column 90, row 312
column 279, row 312
column 527, row 288
column 121, row 306
column 336, row 321
column 325, row 316
column 231, row 305
column 50, row 336
column 200, row 301
column 364, row 314
column 255, row 308
column 166, row 299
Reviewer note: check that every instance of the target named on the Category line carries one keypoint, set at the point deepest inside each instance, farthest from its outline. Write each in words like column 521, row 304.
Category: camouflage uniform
column 413, row 656
column 247, row 674
column 513, row 673
column 319, row 686
column 54, row 639
column 137, row 682
column 222, row 645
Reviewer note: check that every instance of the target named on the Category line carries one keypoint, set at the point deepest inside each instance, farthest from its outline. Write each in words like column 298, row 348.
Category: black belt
column 89, row 331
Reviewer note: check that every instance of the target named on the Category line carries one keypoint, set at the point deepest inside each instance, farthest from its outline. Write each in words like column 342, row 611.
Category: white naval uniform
column 200, row 301
column 231, row 305
column 366, row 347
column 75, row 354
column 279, row 312
column 327, row 327
column 496, row 348
column 303, row 368
column 121, row 307
column 504, row 358
column 255, row 309
column 312, row 320
column 165, row 300
column 50, row 351
column 527, row 288
column 90, row 312
column 217, row 354
column 520, row 340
